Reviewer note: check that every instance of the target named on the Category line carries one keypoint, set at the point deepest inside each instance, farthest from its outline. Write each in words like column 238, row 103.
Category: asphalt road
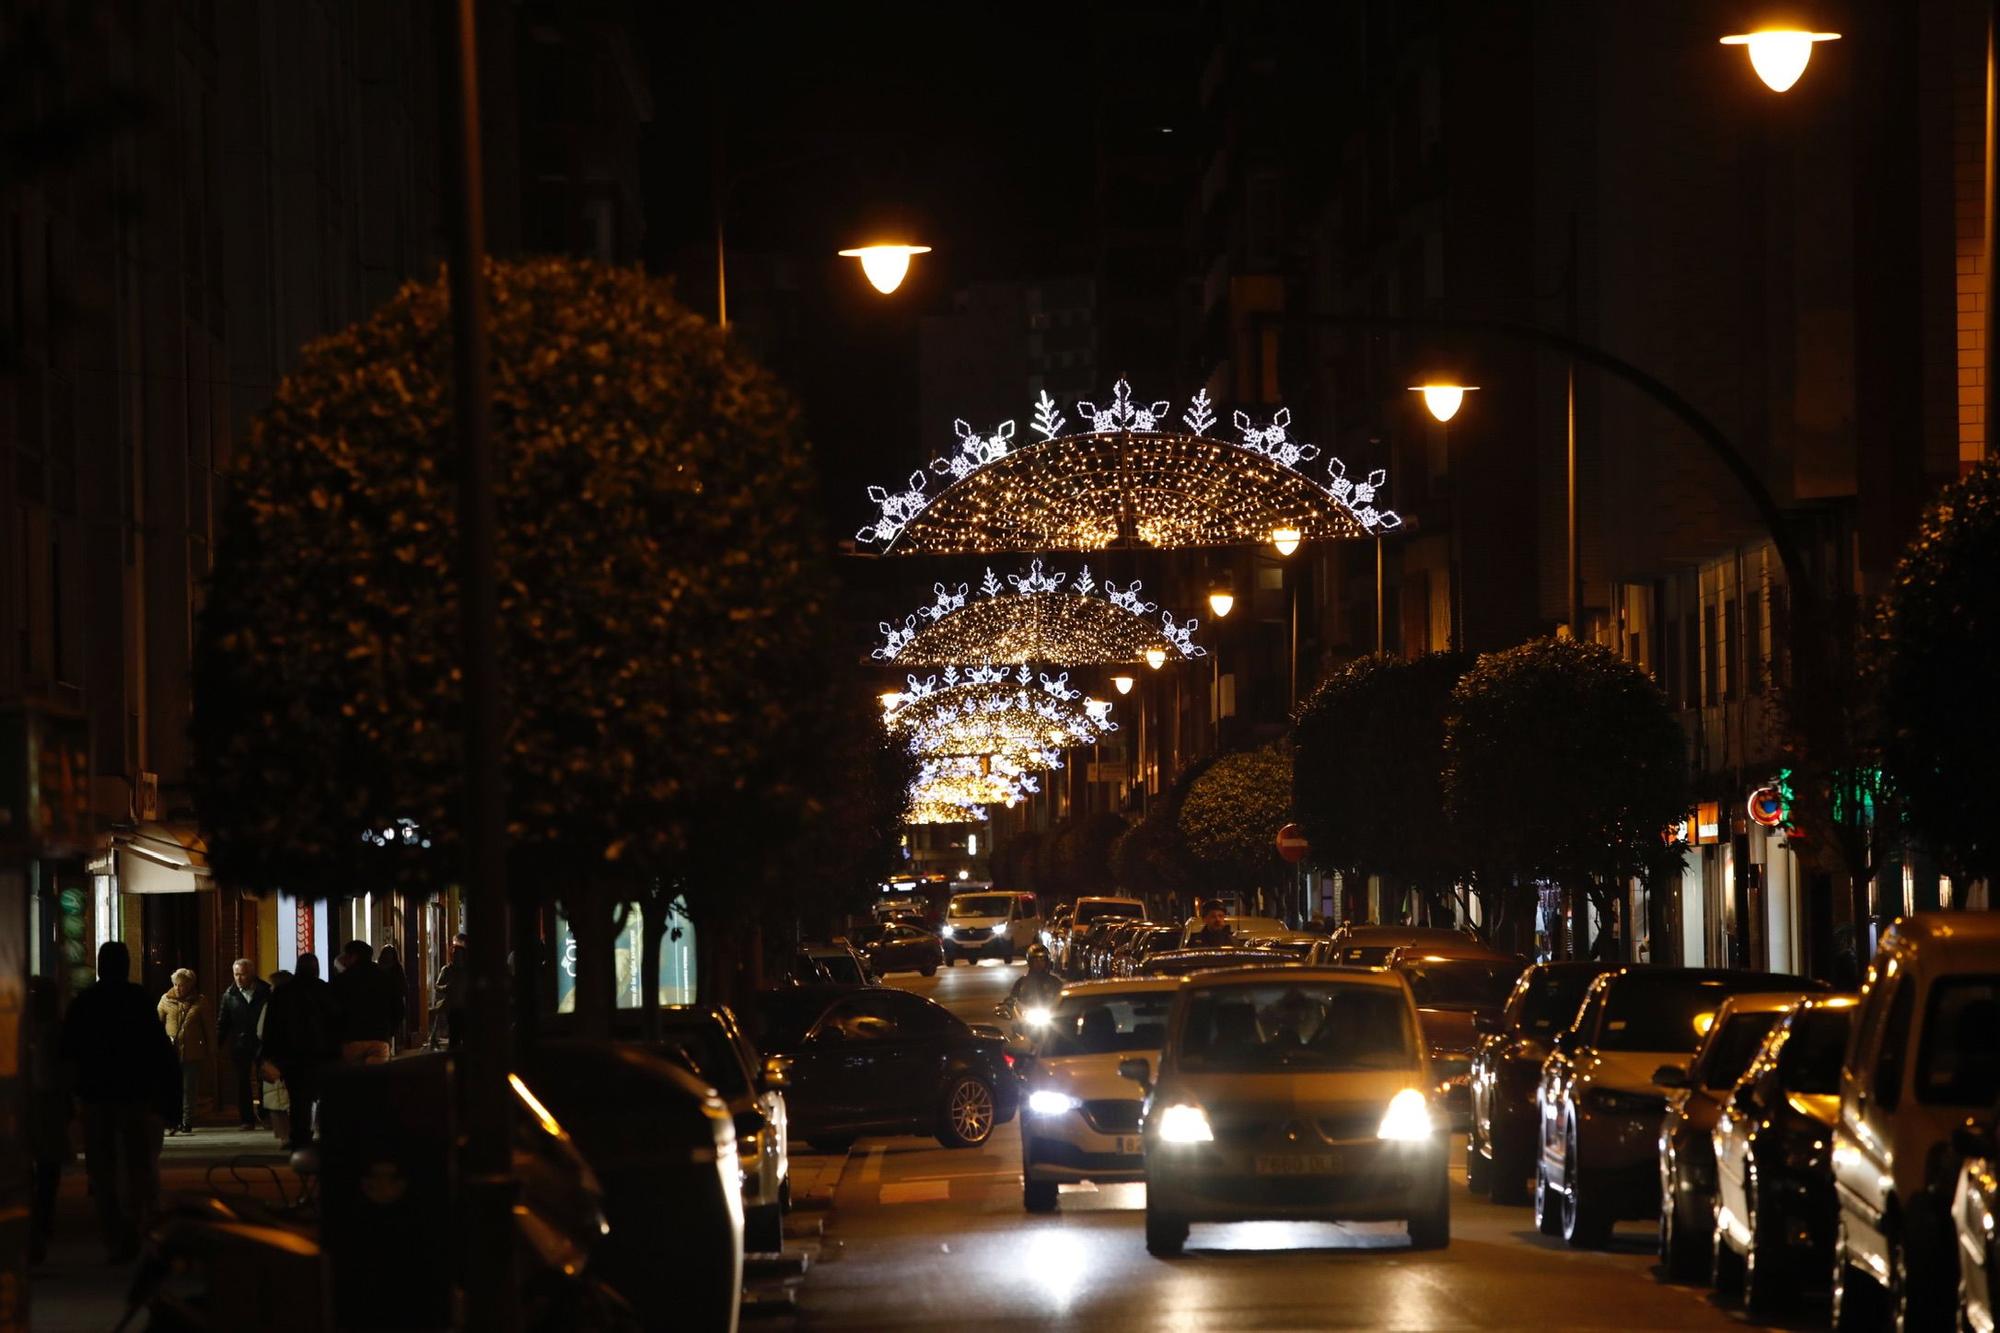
column 932, row 1238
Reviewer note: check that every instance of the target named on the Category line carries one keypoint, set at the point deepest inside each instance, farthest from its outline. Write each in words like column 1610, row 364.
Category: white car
column 1080, row 1119
column 989, row 924
column 1242, row 929
column 1085, row 918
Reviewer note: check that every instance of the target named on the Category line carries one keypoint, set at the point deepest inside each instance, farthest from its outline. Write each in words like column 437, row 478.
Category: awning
column 161, row 858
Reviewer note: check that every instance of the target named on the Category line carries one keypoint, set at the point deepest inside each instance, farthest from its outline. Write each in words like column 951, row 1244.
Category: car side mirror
column 1139, row 1069
column 777, row 1073
column 1670, row 1076
column 1745, row 1096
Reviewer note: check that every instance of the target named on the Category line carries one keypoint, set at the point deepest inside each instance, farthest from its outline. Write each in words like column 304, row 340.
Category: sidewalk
column 75, row 1290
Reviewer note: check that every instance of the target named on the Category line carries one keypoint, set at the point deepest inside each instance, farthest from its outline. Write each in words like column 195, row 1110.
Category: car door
column 1559, row 1072
column 882, row 1049
column 1871, row 1090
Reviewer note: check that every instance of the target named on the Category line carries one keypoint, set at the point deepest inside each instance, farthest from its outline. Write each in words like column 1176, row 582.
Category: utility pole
column 487, row 1278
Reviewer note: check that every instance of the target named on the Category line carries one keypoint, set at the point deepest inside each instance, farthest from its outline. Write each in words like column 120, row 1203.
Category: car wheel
column 1478, row 1172
column 1508, row 1174
column 1038, row 1196
column 763, row 1230
column 1431, row 1228
column 1725, row 1267
column 1548, row 1215
column 967, row 1113
column 1766, row 1281
column 1680, row 1259
column 1585, row 1223
column 928, row 970
column 1165, row 1236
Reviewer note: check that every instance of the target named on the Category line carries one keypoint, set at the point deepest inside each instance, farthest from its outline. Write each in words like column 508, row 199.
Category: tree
column 1082, row 854
column 1231, row 817
column 1942, row 640
column 657, row 565
column 1563, row 762
column 1368, row 754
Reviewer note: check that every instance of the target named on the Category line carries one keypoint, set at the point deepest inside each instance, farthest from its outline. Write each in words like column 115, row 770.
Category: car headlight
column 946, row 931
column 1046, row 1101
column 1606, row 1101
column 1037, row 1016
column 1408, row 1119
column 1181, row 1123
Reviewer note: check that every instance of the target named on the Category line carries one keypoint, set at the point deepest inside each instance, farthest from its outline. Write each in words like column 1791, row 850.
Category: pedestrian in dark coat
column 236, row 1032
column 368, row 1004
column 301, row 1037
column 398, row 988
column 128, row 1082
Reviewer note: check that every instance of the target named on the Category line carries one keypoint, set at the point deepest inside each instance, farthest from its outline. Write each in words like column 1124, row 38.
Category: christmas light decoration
column 1041, row 621
column 1127, row 479
column 1020, row 723
column 926, row 810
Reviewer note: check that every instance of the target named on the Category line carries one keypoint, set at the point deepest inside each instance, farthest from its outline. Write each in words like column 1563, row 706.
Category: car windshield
column 1363, row 955
column 1552, row 999
column 1109, row 907
column 714, row 1055
column 982, row 904
column 1290, row 1026
column 840, row 967
column 1736, row 1046
column 1101, row 1025
column 1810, row 1061
column 1671, row 1011
column 1294, row 948
column 1959, row 1061
column 1461, row 983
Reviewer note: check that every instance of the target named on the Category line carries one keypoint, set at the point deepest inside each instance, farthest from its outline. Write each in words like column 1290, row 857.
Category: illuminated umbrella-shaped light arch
column 1041, row 621
column 1129, row 480
column 1020, row 718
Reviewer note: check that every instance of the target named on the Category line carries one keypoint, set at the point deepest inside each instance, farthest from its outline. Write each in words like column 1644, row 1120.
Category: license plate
column 1128, row 1144
column 1298, row 1164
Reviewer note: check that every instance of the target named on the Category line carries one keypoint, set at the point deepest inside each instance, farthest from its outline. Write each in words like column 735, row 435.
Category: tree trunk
column 653, row 916
column 590, row 922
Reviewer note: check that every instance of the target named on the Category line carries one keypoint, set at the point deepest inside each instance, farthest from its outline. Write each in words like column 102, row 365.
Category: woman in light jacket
column 185, row 1015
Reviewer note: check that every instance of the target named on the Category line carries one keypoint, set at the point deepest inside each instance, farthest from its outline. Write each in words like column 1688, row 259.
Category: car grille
column 970, row 933
column 1113, row 1115
column 1345, row 1124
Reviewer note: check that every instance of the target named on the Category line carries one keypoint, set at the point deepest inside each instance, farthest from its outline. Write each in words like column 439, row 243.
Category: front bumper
column 981, row 944
column 1375, row 1181
column 1095, row 1141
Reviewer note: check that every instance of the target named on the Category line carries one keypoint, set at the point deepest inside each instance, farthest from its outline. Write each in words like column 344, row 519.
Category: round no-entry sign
column 1292, row 843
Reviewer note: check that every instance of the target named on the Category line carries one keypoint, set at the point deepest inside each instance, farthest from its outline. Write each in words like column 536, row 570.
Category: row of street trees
column 661, row 579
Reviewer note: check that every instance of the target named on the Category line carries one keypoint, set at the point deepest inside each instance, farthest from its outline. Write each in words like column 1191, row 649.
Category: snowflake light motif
column 1122, row 413
column 975, row 451
column 1128, row 598
column 1034, row 581
column 1273, row 442
column 1063, row 632
column 1200, row 414
column 897, row 510
column 1182, row 636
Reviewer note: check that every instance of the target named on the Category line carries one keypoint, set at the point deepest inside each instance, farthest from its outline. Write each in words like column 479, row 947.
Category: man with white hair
column 236, row 1029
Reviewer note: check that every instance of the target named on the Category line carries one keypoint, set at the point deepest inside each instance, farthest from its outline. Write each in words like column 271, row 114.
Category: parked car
column 1370, row 946
column 989, row 925
column 1292, row 1093
column 831, row 964
column 1454, row 990
column 1774, row 1209
column 1975, row 1211
column 874, row 1060
column 1242, row 929
column 1924, row 1057
column 1080, row 1120
column 1126, row 958
column 1085, row 916
column 1186, row 962
column 1104, row 943
column 903, row 949
column 1600, row 1107
column 1695, row 1100
column 712, row 1041
column 652, row 1132
column 1506, row 1075
column 1299, row 946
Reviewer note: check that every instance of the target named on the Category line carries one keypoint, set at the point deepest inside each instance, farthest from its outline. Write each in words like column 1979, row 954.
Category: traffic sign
column 1292, row 843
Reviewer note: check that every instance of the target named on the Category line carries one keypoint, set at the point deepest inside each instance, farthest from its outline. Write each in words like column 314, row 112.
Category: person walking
column 184, row 1015
column 398, row 987
column 301, row 1037
column 452, row 989
column 276, row 1099
column 367, row 1009
column 122, row 1068
column 236, row 1030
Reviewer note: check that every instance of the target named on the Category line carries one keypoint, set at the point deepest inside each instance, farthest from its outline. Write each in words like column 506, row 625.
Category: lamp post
column 1443, row 398
column 1220, row 601
column 1285, row 541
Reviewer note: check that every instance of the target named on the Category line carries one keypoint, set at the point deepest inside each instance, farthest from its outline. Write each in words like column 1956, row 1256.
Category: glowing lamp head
column 885, row 265
column 1156, row 658
column 1220, row 601
column 889, row 699
column 1444, row 399
column 1286, row 540
column 1123, row 684
column 1779, row 55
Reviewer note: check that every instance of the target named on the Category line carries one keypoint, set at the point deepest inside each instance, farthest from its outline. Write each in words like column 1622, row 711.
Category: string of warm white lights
column 1125, row 481
column 1089, row 624
column 927, row 810
column 1024, row 720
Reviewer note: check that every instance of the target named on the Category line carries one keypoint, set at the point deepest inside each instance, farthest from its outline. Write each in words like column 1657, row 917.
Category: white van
column 989, row 924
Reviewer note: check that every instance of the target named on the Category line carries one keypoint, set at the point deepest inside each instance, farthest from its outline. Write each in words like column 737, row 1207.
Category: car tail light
column 1008, row 1056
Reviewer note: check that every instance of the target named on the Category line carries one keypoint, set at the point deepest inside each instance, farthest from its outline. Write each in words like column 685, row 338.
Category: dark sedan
column 903, row 949
column 1507, row 1072
column 879, row 1061
column 1184, row 962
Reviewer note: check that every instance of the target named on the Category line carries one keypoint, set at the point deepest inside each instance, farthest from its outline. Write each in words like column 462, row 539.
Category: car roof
column 1373, row 934
column 1469, row 952
column 1132, row 986
column 1110, row 898
column 1250, row 976
column 1760, row 1002
column 1957, row 938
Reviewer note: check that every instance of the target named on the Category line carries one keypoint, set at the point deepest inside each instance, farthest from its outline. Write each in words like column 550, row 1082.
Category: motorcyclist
column 1039, row 987
column 1214, row 932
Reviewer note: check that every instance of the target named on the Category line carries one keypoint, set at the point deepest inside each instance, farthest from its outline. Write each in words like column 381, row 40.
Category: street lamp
column 1220, row 601
column 1779, row 55
column 1443, row 398
column 1123, row 684
column 1156, row 658
column 1286, row 540
column 889, row 699
column 885, row 265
